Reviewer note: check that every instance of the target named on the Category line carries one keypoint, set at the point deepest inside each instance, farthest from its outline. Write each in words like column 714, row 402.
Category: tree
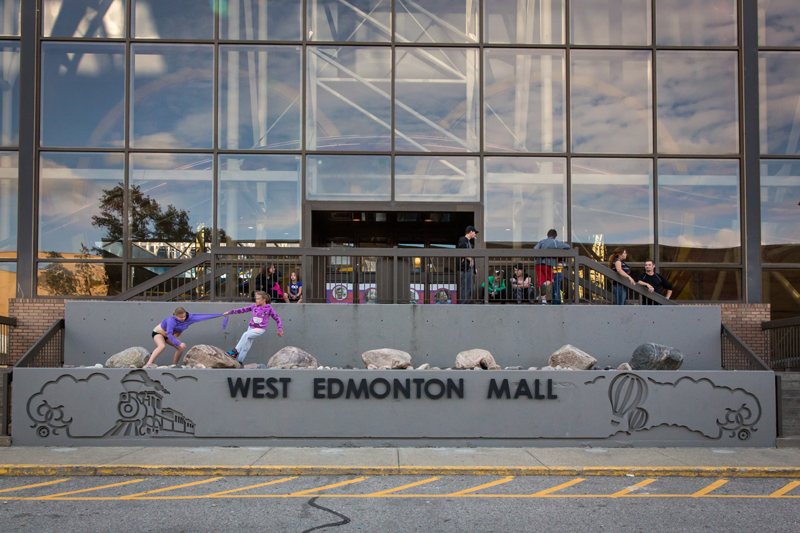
column 57, row 279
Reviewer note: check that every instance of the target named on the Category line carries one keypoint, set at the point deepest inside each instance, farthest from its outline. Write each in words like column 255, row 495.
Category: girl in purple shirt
column 262, row 312
column 171, row 328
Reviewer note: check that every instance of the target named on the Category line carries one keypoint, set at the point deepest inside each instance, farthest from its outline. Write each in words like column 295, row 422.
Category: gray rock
column 548, row 368
column 652, row 356
column 261, row 366
column 292, row 357
column 624, row 366
column 533, row 368
column 387, row 357
column 136, row 356
column 424, row 366
column 571, row 357
column 348, row 367
column 475, row 358
column 210, row 357
column 435, row 368
column 67, row 366
column 250, row 366
column 513, row 368
column 371, row 367
column 150, row 365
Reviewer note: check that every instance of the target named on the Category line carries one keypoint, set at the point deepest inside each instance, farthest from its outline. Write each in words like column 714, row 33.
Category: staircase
column 790, row 409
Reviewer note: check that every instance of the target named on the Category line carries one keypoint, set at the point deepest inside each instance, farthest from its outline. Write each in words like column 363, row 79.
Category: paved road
column 340, row 504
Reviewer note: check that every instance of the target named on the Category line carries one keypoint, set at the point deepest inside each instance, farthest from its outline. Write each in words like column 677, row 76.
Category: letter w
column 239, row 387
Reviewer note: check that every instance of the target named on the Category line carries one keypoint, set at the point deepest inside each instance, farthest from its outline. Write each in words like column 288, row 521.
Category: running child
column 168, row 331
column 262, row 312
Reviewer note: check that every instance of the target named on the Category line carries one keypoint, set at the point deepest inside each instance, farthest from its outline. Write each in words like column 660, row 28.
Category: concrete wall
column 337, row 335
column 120, row 407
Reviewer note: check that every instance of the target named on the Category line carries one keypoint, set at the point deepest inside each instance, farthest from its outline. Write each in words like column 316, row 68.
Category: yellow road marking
column 784, row 490
column 481, row 487
column 214, row 495
column 90, row 489
column 628, row 490
column 551, row 490
column 311, row 491
column 128, row 497
column 36, row 485
column 714, row 486
column 396, row 489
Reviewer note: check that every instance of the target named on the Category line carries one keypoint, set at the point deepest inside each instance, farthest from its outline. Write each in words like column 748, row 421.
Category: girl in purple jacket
column 262, row 312
column 168, row 331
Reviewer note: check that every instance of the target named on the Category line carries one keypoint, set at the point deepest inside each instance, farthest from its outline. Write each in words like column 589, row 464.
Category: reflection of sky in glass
column 780, row 211
column 779, row 102
column 436, row 179
column 349, row 98
column 698, row 209
column 698, row 110
column 696, row 23
column 173, row 19
column 525, row 197
column 524, row 101
column 614, row 22
column 509, row 21
column 260, row 198
column 9, row 17
column 778, row 23
column 350, row 21
column 437, row 96
column 611, row 102
column 9, row 99
column 260, row 97
column 71, row 188
column 348, row 177
column 436, row 21
column 173, row 96
column 87, row 18
column 280, row 20
column 9, row 187
column 83, row 95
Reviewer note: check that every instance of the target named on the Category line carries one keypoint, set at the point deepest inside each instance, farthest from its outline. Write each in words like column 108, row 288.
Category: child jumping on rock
column 168, row 331
column 262, row 312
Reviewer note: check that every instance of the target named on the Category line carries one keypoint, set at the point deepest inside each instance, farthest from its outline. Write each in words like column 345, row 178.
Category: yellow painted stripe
column 481, row 487
column 128, row 497
column 628, row 490
column 785, row 489
column 91, row 489
column 36, row 485
column 551, row 490
column 340, row 484
column 403, row 487
column 714, row 486
column 251, row 487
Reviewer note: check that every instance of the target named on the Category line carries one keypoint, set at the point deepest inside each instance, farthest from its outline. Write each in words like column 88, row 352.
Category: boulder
column 475, row 359
column 292, row 357
column 569, row 356
column 210, row 357
column 136, row 356
column 371, row 367
column 387, row 357
column 624, row 366
column 652, row 356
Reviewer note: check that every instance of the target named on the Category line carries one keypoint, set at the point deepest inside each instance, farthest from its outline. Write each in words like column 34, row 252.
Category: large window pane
column 8, row 290
column 781, row 289
column 779, row 102
column 173, row 19
column 9, row 17
column 614, row 22
column 436, row 179
column 612, row 206
column 525, row 197
column 260, row 97
column 274, row 20
column 259, row 199
column 79, row 279
column 349, row 99
column 80, row 205
column 698, row 211
column 612, row 102
column 515, row 22
column 437, row 96
column 9, row 101
column 436, row 21
column 696, row 23
column 170, row 205
column 83, row 95
column 350, row 21
column 705, row 285
column 780, row 211
column 778, row 23
column 698, row 103
column 172, row 99
column 85, row 18
column 525, row 101
column 9, row 187
column 349, row 177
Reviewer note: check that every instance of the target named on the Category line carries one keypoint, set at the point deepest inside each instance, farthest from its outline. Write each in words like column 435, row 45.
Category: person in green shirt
column 497, row 287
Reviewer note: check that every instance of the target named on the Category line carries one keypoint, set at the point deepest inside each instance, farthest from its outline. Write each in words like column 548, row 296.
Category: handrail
column 31, row 354
column 169, row 274
column 395, row 252
column 782, row 323
column 639, row 289
column 743, row 349
column 8, row 321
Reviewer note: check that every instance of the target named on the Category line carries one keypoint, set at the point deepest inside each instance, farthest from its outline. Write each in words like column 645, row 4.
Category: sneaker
column 233, row 353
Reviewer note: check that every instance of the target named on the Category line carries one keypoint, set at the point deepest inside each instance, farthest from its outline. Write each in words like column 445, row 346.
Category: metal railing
column 782, row 340
column 736, row 355
column 48, row 351
column 394, row 275
column 6, row 323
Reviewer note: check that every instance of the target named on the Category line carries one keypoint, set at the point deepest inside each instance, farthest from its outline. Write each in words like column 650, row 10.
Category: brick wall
column 745, row 321
column 34, row 317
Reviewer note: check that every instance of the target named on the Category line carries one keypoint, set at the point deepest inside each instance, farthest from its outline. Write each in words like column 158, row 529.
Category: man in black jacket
column 654, row 282
column 467, row 267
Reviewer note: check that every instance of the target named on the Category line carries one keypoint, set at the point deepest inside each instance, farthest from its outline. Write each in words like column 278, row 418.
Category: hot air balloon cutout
column 627, row 393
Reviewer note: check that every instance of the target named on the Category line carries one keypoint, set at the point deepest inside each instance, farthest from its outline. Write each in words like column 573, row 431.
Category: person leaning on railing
column 654, row 282
column 617, row 263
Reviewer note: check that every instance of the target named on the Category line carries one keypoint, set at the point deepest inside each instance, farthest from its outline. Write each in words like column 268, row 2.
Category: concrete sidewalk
column 245, row 461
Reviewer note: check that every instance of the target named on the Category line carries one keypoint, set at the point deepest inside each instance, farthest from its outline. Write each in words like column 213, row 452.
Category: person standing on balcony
column 262, row 312
column 545, row 265
column 467, row 267
column 617, row 263
column 654, row 282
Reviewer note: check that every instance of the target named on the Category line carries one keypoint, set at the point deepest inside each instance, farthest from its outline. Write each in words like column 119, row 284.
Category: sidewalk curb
column 134, row 470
